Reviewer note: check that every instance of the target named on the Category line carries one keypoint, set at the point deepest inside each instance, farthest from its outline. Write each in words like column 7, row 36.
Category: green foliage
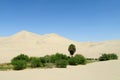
column 72, row 49
column 61, row 63
column 49, row 61
column 21, row 57
column 35, row 62
column 45, row 59
column 105, row 57
column 19, row 64
column 80, row 59
column 77, row 59
column 58, row 56
column 72, row 61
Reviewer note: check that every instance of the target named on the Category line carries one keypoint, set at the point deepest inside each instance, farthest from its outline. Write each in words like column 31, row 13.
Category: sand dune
column 108, row 70
column 39, row 45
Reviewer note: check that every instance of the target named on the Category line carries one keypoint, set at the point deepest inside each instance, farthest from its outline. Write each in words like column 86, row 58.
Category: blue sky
column 80, row 20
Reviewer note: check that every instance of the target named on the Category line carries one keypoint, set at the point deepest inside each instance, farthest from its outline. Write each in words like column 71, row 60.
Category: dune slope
column 40, row 45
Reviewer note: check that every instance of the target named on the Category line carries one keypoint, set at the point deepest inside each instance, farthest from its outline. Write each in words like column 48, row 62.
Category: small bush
column 113, row 56
column 80, row 59
column 58, row 56
column 35, row 62
column 105, row 57
column 77, row 59
column 61, row 63
column 45, row 59
column 21, row 57
column 19, row 64
column 72, row 61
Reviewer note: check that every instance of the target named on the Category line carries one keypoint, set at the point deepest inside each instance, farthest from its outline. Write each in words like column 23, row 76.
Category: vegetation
column 61, row 63
column 77, row 59
column 35, row 62
column 49, row 65
column 57, row 60
column 58, row 56
column 105, row 57
column 5, row 66
column 72, row 61
column 80, row 59
column 72, row 49
column 20, row 62
column 21, row 57
column 91, row 60
column 45, row 59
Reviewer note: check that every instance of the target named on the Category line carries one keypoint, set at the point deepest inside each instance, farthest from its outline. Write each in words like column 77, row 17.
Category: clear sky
column 80, row 20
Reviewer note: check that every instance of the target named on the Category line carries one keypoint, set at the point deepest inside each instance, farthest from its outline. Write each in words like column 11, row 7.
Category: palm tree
column 72, row 49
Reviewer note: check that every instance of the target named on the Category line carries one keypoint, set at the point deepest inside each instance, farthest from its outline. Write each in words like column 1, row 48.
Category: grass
column 91, row 61
column 6, row 66
column 9, row 66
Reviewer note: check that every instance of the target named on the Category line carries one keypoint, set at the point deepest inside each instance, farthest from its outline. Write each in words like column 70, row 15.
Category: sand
column 107, row 70
column 39, row 45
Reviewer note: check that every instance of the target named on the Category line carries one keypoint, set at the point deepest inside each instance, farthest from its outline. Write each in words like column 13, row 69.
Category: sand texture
column 40, row 45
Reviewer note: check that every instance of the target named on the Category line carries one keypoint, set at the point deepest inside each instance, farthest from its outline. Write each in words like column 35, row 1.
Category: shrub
column 80, row 59
column 61, row 63
column 21, row 57
column 45, row 59
column 105, row 57
column 77, row 59
column 72, row 61
column 58, row 56
column 113, row 56
column 19, row 64
column 35, row 62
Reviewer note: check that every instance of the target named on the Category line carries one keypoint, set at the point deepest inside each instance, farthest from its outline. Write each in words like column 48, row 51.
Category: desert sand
column 107, row 70
column 39, row 45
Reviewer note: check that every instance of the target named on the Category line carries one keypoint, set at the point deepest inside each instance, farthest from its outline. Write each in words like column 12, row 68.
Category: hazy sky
column 81, row 20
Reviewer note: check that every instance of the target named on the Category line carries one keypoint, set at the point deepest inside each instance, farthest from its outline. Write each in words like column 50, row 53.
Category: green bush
column 19, row 64
column 80, row 59
column 35, row 62
column 77, row 59
column 72, row 61
column 113, row 56
column 21, row 57
column 105, row 57
column 61, row 63
column 45, row 59
column 58, row 56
